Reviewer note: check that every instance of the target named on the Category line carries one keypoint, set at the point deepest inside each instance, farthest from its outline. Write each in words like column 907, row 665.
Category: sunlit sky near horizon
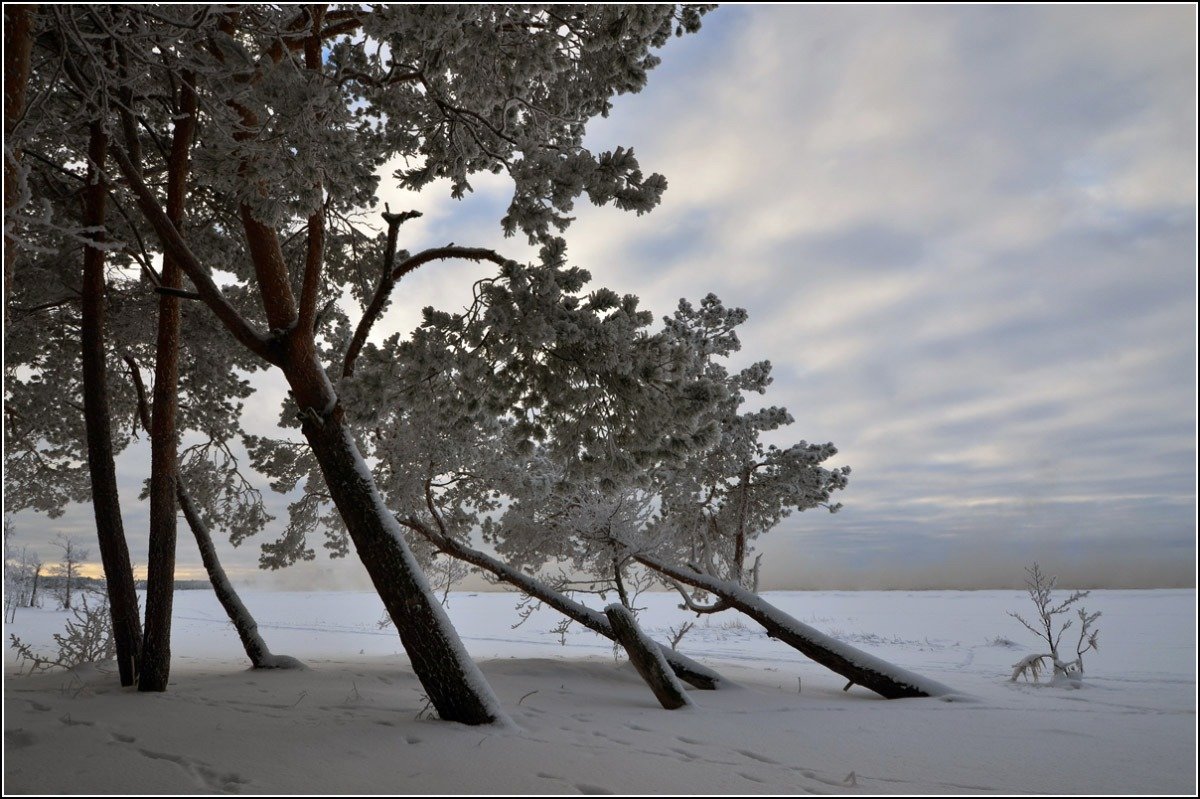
column 966, row 238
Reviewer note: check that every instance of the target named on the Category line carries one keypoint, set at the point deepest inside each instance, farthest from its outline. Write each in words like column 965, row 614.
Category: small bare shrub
column 677, row 634
column 1041, row 587
column 87, row 638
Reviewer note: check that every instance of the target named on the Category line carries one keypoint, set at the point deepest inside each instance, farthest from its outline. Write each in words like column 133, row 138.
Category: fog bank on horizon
column 961, row 570
column 1005, row 572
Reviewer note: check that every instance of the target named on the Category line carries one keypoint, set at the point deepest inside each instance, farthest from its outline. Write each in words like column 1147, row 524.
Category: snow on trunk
column 647, row 658
column 860, row 668
column 453, row 683
column 685, row 668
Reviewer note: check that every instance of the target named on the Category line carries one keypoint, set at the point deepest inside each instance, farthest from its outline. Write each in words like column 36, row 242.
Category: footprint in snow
column 814, row 776
column 757, row 756
column 66, row 719
column 205, row 775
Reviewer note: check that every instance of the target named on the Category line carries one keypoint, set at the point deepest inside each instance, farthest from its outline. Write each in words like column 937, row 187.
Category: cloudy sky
column 966, row 237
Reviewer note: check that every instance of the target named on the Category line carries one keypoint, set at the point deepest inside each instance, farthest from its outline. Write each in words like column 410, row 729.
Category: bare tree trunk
column 647, row 658
column 37, row 573
column 114, row 552
column 855, row 665
column 164, row 437
column 247, row 629
column 685, row 668
column 70, row 575
column 739, row 546
column 18, row 45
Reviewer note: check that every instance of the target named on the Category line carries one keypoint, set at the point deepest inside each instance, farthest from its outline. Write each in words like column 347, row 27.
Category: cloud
column 963, row 243
column 966, row 239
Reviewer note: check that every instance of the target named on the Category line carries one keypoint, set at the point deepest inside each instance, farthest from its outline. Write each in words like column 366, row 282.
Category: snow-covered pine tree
column 598, row 472
column 288, row 141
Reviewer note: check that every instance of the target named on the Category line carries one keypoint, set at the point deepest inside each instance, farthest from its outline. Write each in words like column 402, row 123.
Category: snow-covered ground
column 585, row 723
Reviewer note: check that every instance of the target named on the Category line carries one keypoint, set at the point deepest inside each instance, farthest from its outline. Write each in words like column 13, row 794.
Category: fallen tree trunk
column 647, row 658
column 860, row 668
column 685, row 668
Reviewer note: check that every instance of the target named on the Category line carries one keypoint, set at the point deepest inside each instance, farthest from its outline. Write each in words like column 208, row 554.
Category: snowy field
column 584, row 723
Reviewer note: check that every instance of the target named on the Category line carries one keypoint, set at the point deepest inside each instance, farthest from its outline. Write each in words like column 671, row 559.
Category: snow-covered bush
column 87, row 638
column 1041, row 587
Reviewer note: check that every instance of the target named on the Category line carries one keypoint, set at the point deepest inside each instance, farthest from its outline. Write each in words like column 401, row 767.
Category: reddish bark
column 164, row 436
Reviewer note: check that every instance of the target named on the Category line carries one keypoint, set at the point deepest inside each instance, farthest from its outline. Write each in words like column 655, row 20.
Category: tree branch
column 174, row 292
column 173, row 242
column 390, row 278
column 386, row 281
column 143, row 407
column 45, row 306
column 315, row 246
column 690, row 604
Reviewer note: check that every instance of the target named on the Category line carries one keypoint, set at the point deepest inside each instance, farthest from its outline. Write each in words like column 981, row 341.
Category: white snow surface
column 585, row 723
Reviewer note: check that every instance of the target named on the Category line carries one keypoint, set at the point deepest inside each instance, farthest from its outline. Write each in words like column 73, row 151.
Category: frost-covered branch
column 689, row 603
column 392, row 274
column 173, row 242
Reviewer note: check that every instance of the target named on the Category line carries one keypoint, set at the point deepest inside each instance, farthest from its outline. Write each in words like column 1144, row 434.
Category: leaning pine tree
column 296, row 108
column 691, row 515
column 454, row 413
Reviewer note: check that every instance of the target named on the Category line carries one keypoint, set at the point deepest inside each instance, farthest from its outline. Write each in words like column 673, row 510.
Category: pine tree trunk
column 855, row 665
column 646, row 658
column 452, row 681
column 247, row 629
column 114, row 552
column 685, row 668
column 164, row 437
column 70, row 574
column 160, row 571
